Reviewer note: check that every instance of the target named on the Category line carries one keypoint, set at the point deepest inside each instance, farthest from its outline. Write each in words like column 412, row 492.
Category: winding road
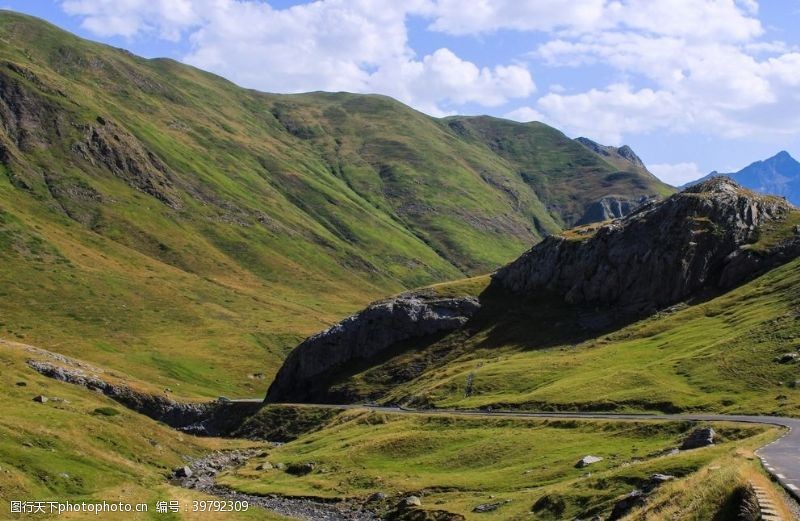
column 781, row 458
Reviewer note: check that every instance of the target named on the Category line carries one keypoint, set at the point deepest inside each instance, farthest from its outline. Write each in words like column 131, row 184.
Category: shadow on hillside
column 540, row 321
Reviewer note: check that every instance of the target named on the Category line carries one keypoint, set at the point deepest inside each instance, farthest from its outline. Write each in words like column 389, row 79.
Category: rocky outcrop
column 698, row 438
column 625, row 152
column 310, row 367
column 207, row 419
column 109, row 146
column 611, row 208
column 661, row 254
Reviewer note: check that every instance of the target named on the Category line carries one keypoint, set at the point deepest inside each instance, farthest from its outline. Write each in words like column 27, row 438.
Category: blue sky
column 691, row 85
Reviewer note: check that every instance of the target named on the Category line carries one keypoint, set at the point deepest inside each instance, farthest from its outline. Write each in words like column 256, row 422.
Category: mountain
column 778, row 175
column 655, row 311
column 162, row 220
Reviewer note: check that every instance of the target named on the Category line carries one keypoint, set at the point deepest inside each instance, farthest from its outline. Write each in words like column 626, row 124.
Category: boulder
column 410, row 501
column 183, row 472
column 377, row 496
column 265, row 466
column 587, row 460
column 657, row 480
column 787, row 358
column 40, row 399
column 701, row 437
column 489, row 507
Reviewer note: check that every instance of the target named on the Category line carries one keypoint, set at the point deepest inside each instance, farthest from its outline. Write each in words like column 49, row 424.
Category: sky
column 691, row 85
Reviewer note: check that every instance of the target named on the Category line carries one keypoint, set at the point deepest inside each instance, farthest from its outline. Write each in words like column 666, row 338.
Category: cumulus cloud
column 167, row 18
column 525, row 114
column 481, row 16
column 701, row 66
column 607, row 114
column 722, row 81
column 704, row 19
column 676, row 174
column 352, row 45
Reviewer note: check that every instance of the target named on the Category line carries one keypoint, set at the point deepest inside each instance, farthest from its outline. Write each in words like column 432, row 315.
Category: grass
column 717, row 355
column 456, row 463
column 73, row 448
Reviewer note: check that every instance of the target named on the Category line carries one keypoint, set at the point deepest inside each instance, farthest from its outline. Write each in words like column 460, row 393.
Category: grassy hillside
column 528, row 466
column 78, row 447
column 722, row 354
column 159, row 219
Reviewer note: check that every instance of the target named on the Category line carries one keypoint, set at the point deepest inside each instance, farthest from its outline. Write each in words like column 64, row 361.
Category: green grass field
column 456, row 463
column 74, row 448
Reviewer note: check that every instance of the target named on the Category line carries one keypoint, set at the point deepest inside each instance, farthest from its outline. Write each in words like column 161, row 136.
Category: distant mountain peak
column 610, row 152
column 776, row 175
column 628, row 153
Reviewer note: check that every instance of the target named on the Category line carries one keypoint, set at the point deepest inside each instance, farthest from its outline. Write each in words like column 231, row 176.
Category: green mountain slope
column 159, row 219
column 690, row 304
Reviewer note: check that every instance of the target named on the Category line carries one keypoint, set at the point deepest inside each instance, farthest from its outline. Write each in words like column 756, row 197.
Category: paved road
column 781, row 457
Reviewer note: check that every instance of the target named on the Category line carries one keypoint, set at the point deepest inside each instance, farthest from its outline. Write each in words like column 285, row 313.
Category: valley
column 338, row 307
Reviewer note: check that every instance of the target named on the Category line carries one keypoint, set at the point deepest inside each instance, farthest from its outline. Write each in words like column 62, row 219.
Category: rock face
column 306, row 371
column 212, row 419
column 610, row 208
column 699, row 438
column 660, row 254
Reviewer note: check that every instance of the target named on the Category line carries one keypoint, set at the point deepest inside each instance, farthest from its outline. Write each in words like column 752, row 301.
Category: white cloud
column 699, row 19
column 481, row 16
column 676, row 174
column 525, row 114
column 607, row 114
column 352, row 45
column 725, row 85
column 167, row 18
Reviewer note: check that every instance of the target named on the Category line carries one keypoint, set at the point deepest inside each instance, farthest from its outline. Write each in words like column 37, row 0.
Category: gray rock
column 21, row 384
column 622, row 507
column 362, row 336
column 377, row 496
column 411, row 501
column 265, row 466
column 40, row 399
column 608, row 208
column 660, row 254
column 197, row 418
column 698, row 438
column 587, row 460
column 489, row 507
column 787, row 358
column 183, row 472
column 657, row 480
column 280, row 466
